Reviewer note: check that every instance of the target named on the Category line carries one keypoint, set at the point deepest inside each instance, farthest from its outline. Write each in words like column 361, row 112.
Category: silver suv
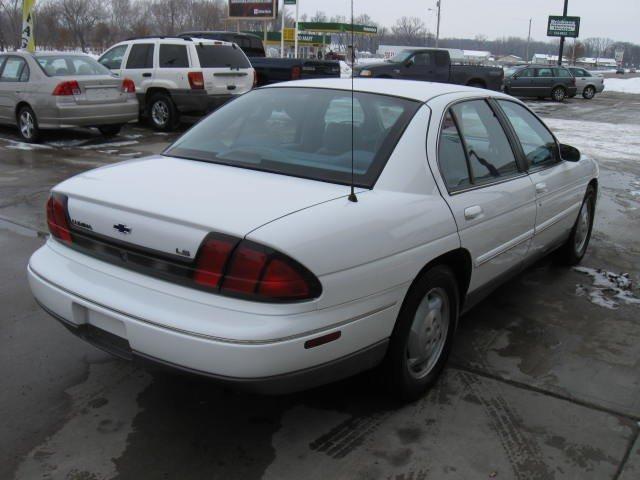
column 175, row 76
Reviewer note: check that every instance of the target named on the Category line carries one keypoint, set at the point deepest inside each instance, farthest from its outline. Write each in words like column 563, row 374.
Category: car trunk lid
column 95, row 89
column 168, row 205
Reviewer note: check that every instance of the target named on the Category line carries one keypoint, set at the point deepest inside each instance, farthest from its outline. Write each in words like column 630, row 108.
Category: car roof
column 411, row 89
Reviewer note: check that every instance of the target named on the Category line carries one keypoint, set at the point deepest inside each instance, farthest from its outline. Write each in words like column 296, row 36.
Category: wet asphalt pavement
column 544, row 382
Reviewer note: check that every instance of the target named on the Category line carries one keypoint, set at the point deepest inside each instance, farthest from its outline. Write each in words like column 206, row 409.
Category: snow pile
column 345, row 69
column 624, row 85
column 608, row 289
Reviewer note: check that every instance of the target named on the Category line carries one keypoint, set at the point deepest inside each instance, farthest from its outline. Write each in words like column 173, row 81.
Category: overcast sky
column 617, row 19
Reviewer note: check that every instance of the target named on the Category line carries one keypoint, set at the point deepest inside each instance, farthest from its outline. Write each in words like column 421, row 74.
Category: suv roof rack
column 185, row 38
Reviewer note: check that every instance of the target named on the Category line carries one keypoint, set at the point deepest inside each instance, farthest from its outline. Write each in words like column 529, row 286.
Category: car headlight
column 366, row 73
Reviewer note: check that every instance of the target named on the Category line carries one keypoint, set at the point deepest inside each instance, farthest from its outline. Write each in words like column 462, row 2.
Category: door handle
column 471, row 213
column 541, row 187
column 146, row 74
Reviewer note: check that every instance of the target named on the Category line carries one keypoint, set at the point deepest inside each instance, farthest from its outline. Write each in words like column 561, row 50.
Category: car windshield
column 217, row 56
column 62, row 65
column 302, row 132
column 401, row 56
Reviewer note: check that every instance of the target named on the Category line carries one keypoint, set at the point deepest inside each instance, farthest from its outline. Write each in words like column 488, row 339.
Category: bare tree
column 11, row 16
column 599, row 46
column 409, row 30
column 80, row 17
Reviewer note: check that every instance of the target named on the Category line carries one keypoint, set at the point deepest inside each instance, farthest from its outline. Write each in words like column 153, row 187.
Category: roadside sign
column 619, row 53
column 253, row 9
column 289, row 34
column 560, row 26
column 289, row 2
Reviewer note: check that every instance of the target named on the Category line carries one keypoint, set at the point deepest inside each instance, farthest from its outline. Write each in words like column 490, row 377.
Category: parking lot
column 544, row 381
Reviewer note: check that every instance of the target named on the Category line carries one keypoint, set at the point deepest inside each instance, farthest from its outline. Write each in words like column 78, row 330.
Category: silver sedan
column 62, row 90
column 587, row 83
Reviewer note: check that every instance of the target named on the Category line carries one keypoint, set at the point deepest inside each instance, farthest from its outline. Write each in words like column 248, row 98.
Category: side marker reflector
column 316, row 342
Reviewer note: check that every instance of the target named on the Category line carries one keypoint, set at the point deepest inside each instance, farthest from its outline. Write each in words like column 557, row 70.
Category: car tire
column 558, row 94
column 422, row 337
column 163, row 113
column 589, row 92
column 110, row 130
column 28, row 125
column 576, row 245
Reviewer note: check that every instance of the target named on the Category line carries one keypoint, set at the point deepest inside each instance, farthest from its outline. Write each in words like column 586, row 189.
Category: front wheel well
column 459, row 261
column 476, row 82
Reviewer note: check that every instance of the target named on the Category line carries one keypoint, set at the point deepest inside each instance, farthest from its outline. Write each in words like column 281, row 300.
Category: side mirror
column 408, row 63
column 569, row 153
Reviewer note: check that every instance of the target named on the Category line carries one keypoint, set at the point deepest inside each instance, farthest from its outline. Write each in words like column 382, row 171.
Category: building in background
column 591, row 62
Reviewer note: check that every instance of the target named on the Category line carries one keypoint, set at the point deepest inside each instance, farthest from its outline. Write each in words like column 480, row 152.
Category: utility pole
column 564, row 13
column 438, row 24
column 284, row 5
column 528, row 41
column 296, row 32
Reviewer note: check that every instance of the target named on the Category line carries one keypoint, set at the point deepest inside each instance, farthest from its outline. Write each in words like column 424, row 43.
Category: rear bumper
column 198, row 101
column 68, row 116
column 266, row 353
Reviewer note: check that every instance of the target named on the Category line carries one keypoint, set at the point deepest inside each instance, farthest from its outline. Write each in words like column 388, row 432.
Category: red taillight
column 128, row 86
column 196, row 80
column 212, row 258
column 64, row 89
column 255, row 79
column 246, row 269
column 296, row 73
column 57, row 217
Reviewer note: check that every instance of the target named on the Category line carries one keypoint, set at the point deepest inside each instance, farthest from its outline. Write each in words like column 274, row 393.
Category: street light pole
column 528, row 41
column 296, row 32
column 564, row 14
column 438, row 24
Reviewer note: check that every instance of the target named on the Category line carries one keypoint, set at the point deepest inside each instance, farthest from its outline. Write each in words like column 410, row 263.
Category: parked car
column 620, row 71
column 263, row 271
column 432, row 65
column 62, row 90
column 180, row 76
column 273, row 70
column 587, row 84
column 541, row 81
column 632, row 70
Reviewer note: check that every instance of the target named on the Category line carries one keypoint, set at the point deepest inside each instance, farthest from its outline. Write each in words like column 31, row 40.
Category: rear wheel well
column 594, row 183
column 459, row 261
column 19, row 106
column 153, row 91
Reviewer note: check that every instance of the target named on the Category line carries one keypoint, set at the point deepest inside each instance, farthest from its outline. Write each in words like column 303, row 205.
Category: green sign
column 303, row 38
column 289, row 2
column 333, row 27
column 563, row 26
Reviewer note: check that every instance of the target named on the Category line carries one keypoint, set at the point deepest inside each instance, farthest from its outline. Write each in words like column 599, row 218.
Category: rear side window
column 545, row 72
column 488, row 150
column 173, row 56
column 141, row 56
column 442, row 59
column 221, row 56
column 562, row 73
column 13, row 68
column 451, row 156
column 537, row 142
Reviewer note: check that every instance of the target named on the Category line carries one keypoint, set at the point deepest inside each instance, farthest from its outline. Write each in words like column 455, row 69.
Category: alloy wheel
column 582, row 227
column 27, row 125
column 160, row 113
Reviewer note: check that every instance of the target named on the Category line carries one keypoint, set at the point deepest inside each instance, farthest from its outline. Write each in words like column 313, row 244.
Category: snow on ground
column 608, row 288
column 345, row 69
column 17, row 145
column 612, row 142
column 624, row 85
column 124, row 143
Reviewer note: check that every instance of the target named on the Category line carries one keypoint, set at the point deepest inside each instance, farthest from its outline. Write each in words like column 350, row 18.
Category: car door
column 112, row 59
column 139, row 65
column 420, row 66
column 13, row 78
column 558, row 184
column 581, row 78
column 521, row 82
column 487, row 189
column 3, row 88
column 542, row 82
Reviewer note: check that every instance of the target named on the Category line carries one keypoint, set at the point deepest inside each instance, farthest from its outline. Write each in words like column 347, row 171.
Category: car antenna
column 352, row 195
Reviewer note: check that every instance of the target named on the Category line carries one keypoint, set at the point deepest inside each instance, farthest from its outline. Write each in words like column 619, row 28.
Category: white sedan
column 240, row 254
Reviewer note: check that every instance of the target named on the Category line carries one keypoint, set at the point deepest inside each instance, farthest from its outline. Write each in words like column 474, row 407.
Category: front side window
column 173, row 56
column 488, row 150
column 113, row 58
column 525, row 73
column 537, row 142
column 12, row 70
column 422, row 59
column 140, row 56
column 302, row 132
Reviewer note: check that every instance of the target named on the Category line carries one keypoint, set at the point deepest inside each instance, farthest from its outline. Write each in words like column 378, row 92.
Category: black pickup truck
column 272, row 70
column 432, row 65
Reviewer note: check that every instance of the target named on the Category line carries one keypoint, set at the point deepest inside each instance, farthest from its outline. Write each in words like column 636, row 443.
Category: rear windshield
column 220, row 56
column 302, row 132
column 62, row 65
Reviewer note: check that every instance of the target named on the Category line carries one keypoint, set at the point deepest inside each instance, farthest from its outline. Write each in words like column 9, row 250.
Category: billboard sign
column 253, row 9
column 559, row 26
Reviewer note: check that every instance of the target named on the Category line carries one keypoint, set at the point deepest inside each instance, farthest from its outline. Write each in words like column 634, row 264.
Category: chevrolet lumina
column 240, row 254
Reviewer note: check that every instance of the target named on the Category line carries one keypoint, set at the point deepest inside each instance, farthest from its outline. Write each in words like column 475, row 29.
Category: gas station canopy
column 333, row 27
